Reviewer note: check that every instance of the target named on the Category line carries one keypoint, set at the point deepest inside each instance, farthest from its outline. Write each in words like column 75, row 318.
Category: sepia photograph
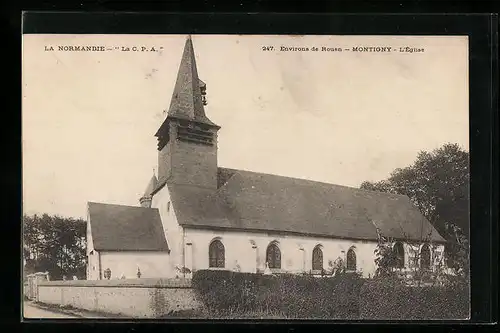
column 319, row 177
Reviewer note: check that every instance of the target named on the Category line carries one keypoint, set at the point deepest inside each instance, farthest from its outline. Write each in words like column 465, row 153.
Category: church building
column 196, row 215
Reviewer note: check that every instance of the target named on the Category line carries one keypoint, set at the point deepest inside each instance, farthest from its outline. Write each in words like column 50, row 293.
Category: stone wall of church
column 194, row 164
column 188, row 163
column 92, row 256
column 151, row 264
column 93, row 266
column 248, row 250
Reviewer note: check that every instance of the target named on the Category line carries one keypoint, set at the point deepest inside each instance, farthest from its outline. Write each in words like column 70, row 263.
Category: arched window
column 425, row 257
column 399, row 255
column 351, row 260
column 273, row 256
column 317, row 259
column 216, row 254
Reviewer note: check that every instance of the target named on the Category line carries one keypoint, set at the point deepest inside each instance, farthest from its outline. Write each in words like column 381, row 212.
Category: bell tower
column 187, row 139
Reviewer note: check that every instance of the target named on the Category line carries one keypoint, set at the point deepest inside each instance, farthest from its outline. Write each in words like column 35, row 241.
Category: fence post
column 36, row 288
column 31, row 288
column 28, row 286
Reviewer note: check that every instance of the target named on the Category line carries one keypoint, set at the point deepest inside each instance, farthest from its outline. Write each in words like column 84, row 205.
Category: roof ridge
column 119, row 205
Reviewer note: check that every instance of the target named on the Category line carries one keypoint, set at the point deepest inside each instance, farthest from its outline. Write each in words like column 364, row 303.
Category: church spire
column 153, row 182
column 145, row 200
column 188, row 97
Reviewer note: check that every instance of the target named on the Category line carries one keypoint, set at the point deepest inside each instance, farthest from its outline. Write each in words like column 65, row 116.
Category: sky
column 89, row 118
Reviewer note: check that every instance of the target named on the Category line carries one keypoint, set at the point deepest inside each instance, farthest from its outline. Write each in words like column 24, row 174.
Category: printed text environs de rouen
column 360, row 49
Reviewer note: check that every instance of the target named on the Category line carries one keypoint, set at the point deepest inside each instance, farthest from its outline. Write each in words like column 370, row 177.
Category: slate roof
column 126, row 228
column 187, row 102
column 261, row 202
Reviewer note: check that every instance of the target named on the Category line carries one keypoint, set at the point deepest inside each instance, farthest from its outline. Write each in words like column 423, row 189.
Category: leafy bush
column 294, row 296
column 392, row 300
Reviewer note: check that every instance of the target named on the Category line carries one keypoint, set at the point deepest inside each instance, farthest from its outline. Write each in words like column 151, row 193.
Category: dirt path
column 34, row 312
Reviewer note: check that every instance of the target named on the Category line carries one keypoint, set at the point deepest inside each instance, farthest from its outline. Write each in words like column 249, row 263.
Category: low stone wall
column 139, row 298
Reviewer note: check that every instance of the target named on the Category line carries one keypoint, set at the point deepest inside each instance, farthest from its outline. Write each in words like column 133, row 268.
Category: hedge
column 390, row 300
column 347, row 296
column 292, row 296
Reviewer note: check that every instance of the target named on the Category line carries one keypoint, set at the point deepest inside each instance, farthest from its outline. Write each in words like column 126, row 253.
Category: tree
column 54, row 244
column 438, row 184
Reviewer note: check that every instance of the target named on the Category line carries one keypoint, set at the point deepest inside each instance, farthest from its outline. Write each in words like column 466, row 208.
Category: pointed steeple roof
column 153, row 183
column 187, row 102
